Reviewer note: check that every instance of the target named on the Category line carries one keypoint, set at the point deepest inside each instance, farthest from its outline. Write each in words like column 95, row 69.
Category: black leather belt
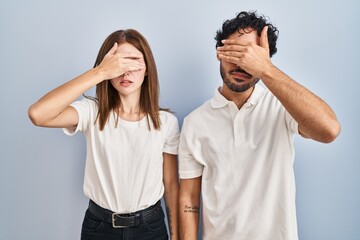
column 124, row 220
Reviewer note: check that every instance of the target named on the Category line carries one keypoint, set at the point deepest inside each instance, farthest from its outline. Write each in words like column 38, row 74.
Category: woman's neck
column 130, row 108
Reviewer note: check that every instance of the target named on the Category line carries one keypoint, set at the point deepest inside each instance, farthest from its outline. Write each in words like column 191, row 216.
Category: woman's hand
column 117, row 63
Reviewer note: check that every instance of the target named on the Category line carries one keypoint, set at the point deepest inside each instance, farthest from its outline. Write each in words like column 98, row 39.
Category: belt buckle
column 114, row 223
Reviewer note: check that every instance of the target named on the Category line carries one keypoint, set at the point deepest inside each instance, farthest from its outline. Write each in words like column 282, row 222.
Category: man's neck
column 239, row 98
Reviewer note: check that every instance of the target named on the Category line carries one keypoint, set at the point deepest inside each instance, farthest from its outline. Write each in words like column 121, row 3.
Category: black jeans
column 94, row 228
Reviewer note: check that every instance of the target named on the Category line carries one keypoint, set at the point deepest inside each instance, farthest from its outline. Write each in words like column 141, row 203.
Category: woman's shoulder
column 167, row 116
column 167, row 113
column 86, row 107
column 88, row 101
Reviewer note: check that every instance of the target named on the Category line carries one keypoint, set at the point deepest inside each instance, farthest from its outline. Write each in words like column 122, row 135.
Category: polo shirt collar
column 219, row 101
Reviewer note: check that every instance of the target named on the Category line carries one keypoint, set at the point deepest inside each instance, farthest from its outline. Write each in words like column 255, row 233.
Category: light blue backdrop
column 45, row 43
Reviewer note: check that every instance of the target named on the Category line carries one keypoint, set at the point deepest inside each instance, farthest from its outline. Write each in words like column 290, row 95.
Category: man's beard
column 237, row 86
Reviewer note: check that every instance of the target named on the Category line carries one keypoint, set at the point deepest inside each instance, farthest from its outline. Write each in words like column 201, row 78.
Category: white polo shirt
column 245, row 158
column 124, row 164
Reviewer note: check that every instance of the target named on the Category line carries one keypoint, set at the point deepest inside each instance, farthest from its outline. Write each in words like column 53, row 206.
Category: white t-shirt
column 245, row 158
column 124, row 164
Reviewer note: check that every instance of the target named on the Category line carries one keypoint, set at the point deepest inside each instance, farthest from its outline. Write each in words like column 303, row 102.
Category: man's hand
column 252, row 57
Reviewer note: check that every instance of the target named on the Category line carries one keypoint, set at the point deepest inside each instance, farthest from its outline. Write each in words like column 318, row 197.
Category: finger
column 133, row 65
column 226, row 47
column 264, row 42
column 131, row 55
column 231, row 48
column 237, row 54
column 228, row 42
column 113, row 49
column 218, row 55
column 136, row 67
column 227, row 58
column 132, row 61
column 132, row 69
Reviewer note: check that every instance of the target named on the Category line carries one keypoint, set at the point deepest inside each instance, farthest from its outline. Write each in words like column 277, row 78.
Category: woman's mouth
column 125, row 83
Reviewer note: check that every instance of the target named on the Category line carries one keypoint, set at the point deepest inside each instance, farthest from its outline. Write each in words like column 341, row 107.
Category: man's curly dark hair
column 245, row 20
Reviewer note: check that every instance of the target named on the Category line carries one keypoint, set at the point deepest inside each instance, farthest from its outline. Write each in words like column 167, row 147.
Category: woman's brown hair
column 107, row 97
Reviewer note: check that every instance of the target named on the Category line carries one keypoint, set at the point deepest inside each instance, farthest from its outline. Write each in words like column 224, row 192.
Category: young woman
column 131, row 143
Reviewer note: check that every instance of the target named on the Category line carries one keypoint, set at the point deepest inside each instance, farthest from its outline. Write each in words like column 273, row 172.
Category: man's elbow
column 331, row 132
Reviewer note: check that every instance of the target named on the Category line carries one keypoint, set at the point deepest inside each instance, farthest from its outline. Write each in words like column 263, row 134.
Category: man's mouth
column 240, row 73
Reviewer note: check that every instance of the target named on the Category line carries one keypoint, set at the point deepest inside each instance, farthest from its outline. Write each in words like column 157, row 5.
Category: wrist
column 98, row 74
column 268, row 72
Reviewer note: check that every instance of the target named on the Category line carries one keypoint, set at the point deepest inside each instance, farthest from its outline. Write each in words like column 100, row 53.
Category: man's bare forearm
column 316, row 119
column 189, row 221
column 189, row 208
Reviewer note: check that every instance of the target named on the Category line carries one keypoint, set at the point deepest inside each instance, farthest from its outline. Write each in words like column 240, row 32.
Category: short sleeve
column 188, row 166
column 171, row 143
column 291, row 123
column 85, row 109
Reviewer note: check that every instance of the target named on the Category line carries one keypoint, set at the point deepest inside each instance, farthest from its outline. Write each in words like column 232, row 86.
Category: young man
column 237, row 148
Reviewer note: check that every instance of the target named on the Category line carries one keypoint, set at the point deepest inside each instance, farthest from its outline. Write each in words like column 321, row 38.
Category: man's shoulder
column 199, row 111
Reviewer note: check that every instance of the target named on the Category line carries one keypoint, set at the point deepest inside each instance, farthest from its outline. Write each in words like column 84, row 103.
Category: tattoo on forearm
column 191, row 209
column 169, row 221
